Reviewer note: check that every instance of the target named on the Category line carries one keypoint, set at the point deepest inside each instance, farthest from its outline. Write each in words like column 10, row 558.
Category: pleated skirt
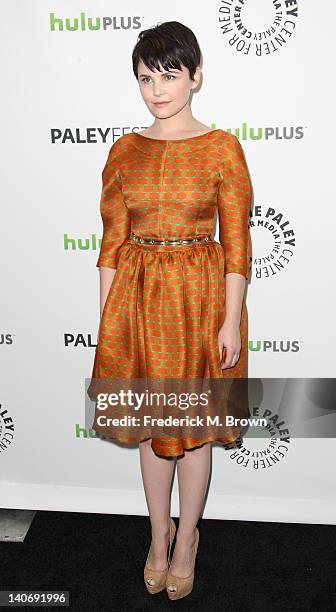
column 161, row 321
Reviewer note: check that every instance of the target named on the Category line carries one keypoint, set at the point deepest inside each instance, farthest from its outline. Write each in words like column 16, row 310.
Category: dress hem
column 185, row 448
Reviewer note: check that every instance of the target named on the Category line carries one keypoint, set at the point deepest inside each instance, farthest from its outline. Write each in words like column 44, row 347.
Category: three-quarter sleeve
column 234, row 205
column 114, row 213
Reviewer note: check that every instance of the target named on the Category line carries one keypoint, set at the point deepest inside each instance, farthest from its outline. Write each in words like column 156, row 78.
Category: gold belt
column 148, row 240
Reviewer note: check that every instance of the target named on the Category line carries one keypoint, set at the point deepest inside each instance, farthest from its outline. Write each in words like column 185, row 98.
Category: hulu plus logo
column 83, row 23
column 81, row 244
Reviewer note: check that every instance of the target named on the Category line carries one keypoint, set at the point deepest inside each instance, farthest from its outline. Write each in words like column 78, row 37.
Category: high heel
column 178, row 586
column 155, row 580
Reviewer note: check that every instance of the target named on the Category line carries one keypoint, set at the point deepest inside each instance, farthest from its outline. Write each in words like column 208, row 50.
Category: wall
column 67, row 95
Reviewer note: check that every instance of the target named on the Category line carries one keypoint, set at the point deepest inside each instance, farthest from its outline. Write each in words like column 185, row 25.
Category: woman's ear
column 197, row 77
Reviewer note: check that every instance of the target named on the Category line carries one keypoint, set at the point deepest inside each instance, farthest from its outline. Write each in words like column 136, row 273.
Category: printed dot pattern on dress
column 166, row 303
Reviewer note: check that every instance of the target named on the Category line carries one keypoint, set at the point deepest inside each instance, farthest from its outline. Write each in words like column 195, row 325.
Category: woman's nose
column 157, row 89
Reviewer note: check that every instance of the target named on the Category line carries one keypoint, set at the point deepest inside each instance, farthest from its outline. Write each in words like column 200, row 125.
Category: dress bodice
column 174, row 189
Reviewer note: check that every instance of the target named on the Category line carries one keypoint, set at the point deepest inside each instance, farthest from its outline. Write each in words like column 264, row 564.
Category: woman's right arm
column 116, row 222
column 106, row 276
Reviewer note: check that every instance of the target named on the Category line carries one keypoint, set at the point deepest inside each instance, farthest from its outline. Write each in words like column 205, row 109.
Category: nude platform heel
column 178, row 586
column 155, row 580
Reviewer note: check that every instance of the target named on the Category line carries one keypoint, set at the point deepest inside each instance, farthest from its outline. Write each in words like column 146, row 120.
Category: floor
column 240, row 566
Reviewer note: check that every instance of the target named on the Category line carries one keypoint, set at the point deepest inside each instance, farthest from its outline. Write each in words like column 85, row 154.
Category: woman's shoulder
column 219, row 138
column 228, row 137
column 120, row 143
column 119, row 148
column 232, row 146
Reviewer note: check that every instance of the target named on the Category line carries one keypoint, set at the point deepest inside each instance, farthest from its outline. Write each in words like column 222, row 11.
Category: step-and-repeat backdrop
column 68, row 92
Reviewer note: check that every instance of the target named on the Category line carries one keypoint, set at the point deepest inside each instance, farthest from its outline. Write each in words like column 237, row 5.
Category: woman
column 172, row 298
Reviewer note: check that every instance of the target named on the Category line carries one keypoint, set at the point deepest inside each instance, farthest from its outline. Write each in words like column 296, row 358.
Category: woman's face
column 170, row 87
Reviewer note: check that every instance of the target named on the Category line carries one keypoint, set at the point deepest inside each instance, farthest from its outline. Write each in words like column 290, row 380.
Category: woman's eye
column 146, row 79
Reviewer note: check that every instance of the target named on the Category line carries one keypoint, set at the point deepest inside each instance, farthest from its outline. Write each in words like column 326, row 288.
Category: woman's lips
column 160, row 103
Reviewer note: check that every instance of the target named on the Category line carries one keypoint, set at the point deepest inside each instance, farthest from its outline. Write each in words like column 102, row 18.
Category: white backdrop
column 67, row 95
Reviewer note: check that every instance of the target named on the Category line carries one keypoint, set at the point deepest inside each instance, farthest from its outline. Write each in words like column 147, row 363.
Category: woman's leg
column 157, row 476
column 193, row 472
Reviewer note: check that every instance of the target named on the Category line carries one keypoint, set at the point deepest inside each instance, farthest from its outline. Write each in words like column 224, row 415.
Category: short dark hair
column 170, row 44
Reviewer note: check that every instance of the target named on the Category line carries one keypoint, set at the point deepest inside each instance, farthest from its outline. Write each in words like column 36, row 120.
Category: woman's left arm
column 229, row 334
column 234, row 205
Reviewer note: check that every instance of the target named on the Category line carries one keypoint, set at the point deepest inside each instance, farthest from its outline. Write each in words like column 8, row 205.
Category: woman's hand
column 106, row 276
column 229, row 344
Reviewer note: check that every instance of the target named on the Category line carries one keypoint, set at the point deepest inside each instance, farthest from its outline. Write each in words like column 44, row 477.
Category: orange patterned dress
column 166, row 303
